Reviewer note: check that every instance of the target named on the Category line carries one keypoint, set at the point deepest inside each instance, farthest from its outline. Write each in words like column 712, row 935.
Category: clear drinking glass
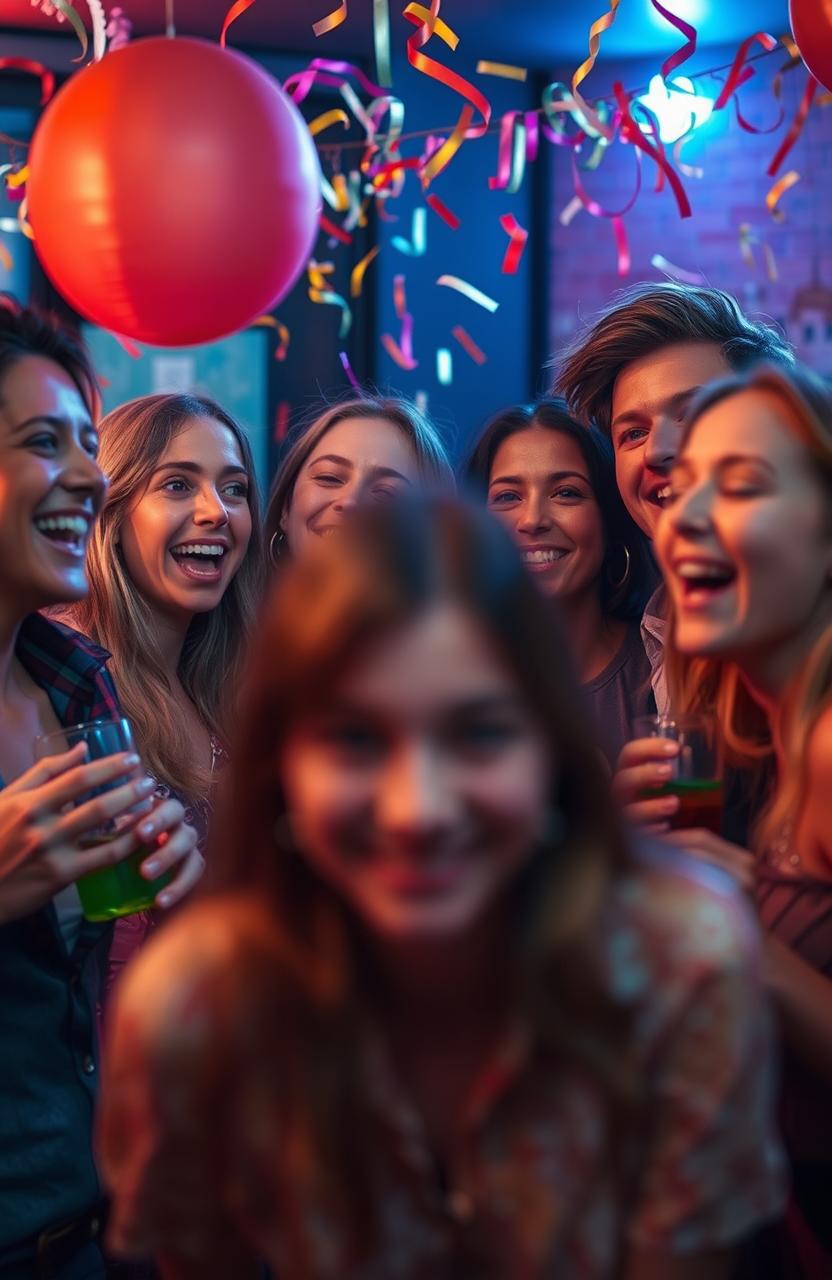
column 120, row 889
column 697, row 769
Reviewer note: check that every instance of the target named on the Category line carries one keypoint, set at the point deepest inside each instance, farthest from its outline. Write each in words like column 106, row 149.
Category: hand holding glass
column 119, row 889
column 697, row 769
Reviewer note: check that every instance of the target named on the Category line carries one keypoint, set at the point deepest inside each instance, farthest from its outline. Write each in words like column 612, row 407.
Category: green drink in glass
column 697, row 769
column 119, row 889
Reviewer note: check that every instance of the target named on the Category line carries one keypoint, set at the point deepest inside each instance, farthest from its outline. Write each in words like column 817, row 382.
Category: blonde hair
column 718, row 685
column 115, row 615
column 431, row 455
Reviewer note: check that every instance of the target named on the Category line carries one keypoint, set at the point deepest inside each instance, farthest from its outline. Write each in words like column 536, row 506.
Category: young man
column 51, row 959
column 634, row 371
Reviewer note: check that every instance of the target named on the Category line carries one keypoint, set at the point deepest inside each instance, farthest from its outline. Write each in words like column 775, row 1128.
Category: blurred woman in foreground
column 436, row 1018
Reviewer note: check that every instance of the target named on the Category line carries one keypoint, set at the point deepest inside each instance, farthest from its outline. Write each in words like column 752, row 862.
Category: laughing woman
column 175, row 567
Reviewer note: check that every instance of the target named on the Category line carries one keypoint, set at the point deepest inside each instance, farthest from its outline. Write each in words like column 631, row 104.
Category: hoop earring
column 616, row 586
column 276, row 542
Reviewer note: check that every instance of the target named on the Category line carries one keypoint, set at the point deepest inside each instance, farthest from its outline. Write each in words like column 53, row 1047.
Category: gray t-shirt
column 621, row 692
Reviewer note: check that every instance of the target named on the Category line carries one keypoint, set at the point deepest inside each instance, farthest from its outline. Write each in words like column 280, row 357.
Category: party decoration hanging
column 196, row 214
column 811, row 24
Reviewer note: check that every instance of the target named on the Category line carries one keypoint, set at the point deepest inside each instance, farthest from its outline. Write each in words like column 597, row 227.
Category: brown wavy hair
column 329, row 607
column 114, row 614
column 712, row 684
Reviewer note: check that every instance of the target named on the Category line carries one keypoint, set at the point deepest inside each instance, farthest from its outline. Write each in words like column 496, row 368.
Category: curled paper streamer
column 569, row 210
column 399, row 297
column 47, row 79
column 320, row 292
column 66, row 13
column 238, row 7
column 440, row 208
column 282, row 333
column 381, row 42
column 517, row 243
column 687, row 50
column 660, row 262
column 99, row 29
column 444, row 367
column 511, row 162
column 417, row 245
column 401, row 352
column 531, row 122
column 351, row 378
column 597, row 29
column 468, row 344
column 5, row 257
column 779, row 189
column 794, row 130
column 747, row 238
column 622, row 246
column 737, row 74
column 326, row 71
column 332, row 20
column 327, row 118
column 23, row 220
column 503, row 69
column 592, row 206
column 358, row 272
column 332, row 229
column 469, row 291
column 631, row 132
column 281, row 421
column 18, row 178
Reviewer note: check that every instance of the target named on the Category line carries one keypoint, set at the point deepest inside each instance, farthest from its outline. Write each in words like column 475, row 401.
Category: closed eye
column 327, row 479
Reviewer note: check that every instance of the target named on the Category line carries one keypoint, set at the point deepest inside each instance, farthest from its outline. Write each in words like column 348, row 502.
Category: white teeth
column 699, row 569
column 72, row 524
column 542, row 557
column 199, row 549
column 664, row 494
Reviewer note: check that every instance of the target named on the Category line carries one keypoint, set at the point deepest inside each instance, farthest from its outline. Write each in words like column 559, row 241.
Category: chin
column 414, row 925
column 704, row 642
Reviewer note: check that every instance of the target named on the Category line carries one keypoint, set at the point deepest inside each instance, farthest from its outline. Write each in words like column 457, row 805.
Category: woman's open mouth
column 200, row 561
column 702, row 581
column 67, row 533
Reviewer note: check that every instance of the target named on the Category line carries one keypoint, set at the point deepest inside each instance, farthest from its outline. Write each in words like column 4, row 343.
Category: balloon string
column 170, row 24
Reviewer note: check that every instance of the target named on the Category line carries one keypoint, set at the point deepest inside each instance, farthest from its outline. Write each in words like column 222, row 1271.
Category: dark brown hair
column 25, row 332
column 646, row 318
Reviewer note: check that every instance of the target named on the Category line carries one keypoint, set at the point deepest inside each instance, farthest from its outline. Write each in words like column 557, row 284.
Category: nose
column 534, row 515
column 82, row 476
column 210, row 509
column 415, row 803
column 348, row 496
column 662, row 443
column 691, row 512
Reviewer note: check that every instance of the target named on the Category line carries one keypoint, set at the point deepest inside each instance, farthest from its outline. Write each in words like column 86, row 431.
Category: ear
column 284, row 520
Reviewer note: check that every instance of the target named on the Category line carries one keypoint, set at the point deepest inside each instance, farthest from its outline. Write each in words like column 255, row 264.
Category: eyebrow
column 731, row 460
column 553, row 475
column 236, row 469
column 54, row 420
column 345, row 462
column 672, row 404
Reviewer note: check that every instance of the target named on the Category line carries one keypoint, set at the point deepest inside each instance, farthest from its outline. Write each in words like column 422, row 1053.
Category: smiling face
column 358, row 459
column 420, row 790
column 746, row 544
column 185, row 537
column 649, row 401
column 540, row 489
column 50, row 485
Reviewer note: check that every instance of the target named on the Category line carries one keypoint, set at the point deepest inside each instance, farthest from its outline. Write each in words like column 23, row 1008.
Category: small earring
column 276, row 542
column 616, row 586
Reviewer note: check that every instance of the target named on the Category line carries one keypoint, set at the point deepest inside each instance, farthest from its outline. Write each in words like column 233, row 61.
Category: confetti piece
column 569, row 210
column 282, row 332
column 357, row 276
column 5, row 257
column 661, row 263
column 281, row 421
column 335, row 231
column 747, row 239
column 531, row 121
column 779, row 189
column 19, row 178
column 395, row 352
column 23, row 219
column 440, row 208
column 503, row 69
column 319, row 292
column 399, row 296
column 402, row 351
column 238, row 7
column 794, row 130
column 351, row 378
column 687, row 50
column 622, row 246
column 47, row 79
column 332, row 20
column 127, row 344
column 417, row 245
column 381, row 41
column 597, row 29
column 468, row 291
column 517, row 243
column 327, row 118
column 468, row 344
column 444, row 367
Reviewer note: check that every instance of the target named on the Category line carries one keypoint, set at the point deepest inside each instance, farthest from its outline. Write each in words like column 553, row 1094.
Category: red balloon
column 811, row 23
column 174, row 191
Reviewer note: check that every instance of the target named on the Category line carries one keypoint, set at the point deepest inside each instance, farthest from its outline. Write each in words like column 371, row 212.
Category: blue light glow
column 677, row 107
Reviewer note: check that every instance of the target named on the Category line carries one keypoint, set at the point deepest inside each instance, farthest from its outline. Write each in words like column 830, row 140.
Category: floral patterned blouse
column 539, row 1190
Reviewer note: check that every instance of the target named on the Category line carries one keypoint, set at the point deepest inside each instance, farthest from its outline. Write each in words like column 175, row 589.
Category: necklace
column 779, row 853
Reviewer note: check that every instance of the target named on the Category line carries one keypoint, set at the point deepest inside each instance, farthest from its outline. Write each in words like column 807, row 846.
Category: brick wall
column 731, row 192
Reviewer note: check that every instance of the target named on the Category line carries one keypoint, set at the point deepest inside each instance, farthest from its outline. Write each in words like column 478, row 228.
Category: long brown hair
column 328, row 607
column 114, row 614
column 716, row 685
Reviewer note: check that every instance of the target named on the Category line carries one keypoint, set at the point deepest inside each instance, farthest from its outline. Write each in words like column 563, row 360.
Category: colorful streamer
column 622, row 246
column 631, row 132
column 401, row 352
column 442, row 210
column 468, row 344
column 503, row 69
column 794, row 130
column 381, row 42
column 118, row 30
column 597, row 29
column 469, row 291
column 238, row 7
column 5, row 257
column 517, row 243
column 747, row 238
column 334, row 116
column 47, row 79
column 281, row 421
column 66, row 12
column 738, row 73
column 687, row 50
column 569, row 210
column 444, row 367
column 417, row 245
column 332, row 229
column 332, row 20
column 351, row 378
column 326, row 71
column 283, row 335
column 511, row 162
column 359, row 270
column 661, row 263
column 781, row 186
column 320, row 292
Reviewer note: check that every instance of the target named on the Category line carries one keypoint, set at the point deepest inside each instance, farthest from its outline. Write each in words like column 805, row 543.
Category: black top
column 620, row 693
